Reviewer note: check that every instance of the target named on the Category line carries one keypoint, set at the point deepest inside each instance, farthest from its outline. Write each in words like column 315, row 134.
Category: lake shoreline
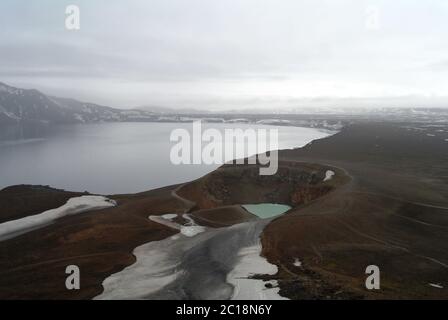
column 115, row 158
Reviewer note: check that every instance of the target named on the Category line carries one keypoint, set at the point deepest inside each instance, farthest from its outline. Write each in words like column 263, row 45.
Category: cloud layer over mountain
column 222, row 54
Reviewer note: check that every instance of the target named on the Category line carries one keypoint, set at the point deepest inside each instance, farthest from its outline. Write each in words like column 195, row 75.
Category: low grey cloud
column 216, row 53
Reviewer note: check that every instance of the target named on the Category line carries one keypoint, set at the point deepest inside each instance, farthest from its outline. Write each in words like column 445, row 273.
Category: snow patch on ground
column 251, row 263
column 153, row 270
column 329, row 175
column 297, row 262
column 165, row 222
column 191, row 229
column 156, row 265
column 165, row 269
column 175, row 237
column 169, row 216
column 73, row 206
column 436, row 285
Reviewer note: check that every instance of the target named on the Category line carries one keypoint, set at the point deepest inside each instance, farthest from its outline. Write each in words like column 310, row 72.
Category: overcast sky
column 230, row 53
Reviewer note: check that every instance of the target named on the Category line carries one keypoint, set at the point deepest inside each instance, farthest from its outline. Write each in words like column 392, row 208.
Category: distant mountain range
column 29, row 105
column 170, row 111
column 32, row 106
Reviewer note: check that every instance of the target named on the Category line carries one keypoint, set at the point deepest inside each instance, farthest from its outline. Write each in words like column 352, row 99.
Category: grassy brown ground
column 393, row 214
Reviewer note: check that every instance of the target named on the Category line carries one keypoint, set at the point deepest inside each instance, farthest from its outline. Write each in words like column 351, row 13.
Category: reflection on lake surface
column 109, row 158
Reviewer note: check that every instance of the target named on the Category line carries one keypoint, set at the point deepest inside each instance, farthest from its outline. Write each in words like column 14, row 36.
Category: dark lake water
column 109, row 158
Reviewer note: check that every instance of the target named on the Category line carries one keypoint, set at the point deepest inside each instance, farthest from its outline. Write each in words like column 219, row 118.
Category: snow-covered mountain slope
column 29, row 105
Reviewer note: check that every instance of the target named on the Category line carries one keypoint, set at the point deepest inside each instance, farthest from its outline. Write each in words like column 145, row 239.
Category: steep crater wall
column 294, row 184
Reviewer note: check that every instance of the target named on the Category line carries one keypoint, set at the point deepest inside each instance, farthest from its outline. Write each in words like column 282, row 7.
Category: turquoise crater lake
column 266, row 210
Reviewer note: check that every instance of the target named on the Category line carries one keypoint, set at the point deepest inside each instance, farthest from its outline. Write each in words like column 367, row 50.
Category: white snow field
column 250, row 264
column 157, row 263
column 329, row 175
column 190, row 229
column 297, row 262
column 73, row 206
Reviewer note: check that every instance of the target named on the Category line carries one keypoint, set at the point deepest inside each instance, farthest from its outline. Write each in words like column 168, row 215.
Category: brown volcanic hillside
column 294, row 184
column 393, row 214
